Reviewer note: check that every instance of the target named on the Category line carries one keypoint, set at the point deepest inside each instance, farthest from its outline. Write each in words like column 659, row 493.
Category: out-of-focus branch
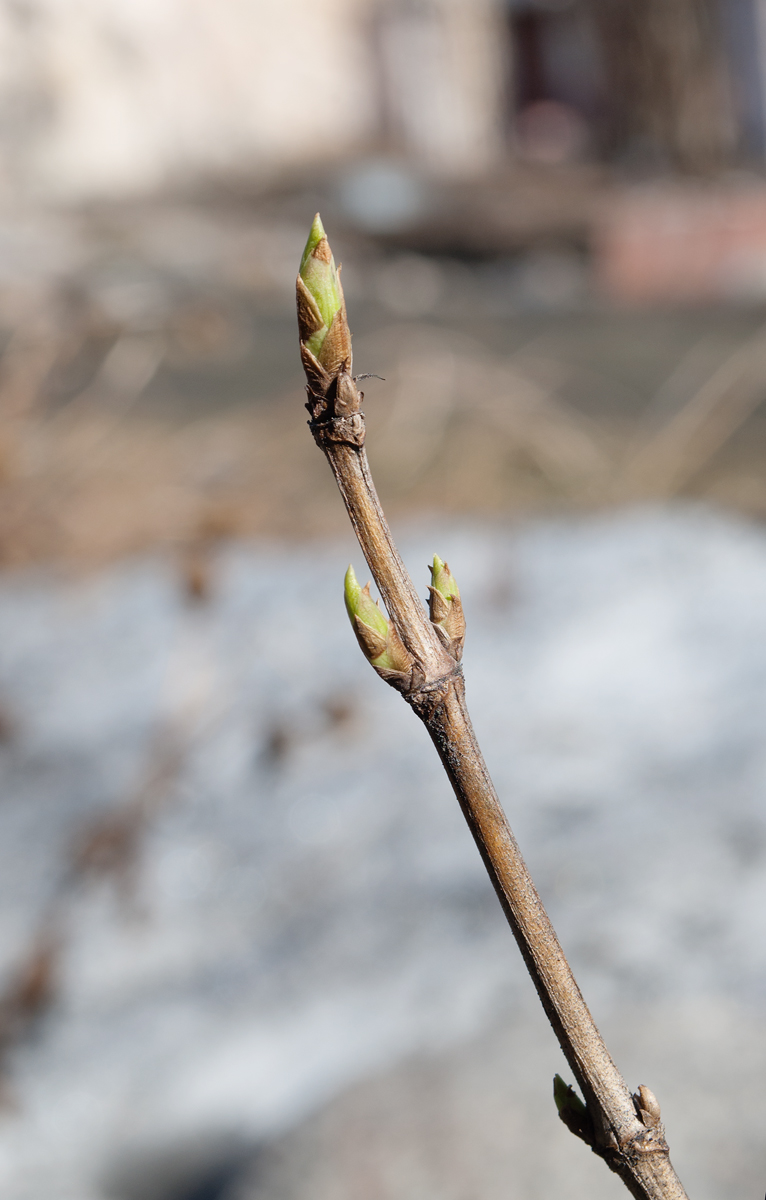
column 419, row 654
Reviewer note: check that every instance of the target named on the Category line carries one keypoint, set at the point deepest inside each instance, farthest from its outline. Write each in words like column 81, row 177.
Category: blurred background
column 248, row 950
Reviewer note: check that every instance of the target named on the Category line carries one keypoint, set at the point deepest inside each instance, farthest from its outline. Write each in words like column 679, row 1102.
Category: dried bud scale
column 647, row 1106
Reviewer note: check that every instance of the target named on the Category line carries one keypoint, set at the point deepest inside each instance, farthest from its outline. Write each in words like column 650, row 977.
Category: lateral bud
column 572, row 1111
column 445, row 607
column 647, row 1106
column 376, row 635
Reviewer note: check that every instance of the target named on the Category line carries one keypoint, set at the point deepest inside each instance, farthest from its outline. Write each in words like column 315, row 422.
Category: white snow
column 299, row 921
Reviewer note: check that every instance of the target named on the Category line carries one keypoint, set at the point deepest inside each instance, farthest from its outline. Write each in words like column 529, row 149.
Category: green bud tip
column 566, row 1097
column 442, row 580
column 316, row 233
column 380, row 643
column 359, row 603
column 320, row 276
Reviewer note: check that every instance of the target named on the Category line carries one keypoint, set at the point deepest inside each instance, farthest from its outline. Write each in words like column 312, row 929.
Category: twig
column 419, row 654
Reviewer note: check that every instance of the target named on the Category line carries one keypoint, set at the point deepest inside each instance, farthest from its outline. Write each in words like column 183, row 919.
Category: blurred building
column 125, row 98
column 113, row 96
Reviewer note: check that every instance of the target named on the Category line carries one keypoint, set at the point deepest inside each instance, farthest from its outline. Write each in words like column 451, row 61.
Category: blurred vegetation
column 151, row 394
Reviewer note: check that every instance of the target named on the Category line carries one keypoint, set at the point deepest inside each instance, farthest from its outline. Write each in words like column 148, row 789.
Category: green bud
column 446, row 609
column 443, row 580
column 566, row 1097
column 359, row 603
column 380, row 643
column 571, row 1110
column 324, row 295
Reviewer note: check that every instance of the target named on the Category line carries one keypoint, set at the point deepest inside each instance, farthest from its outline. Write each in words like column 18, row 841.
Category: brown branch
column 624, row 1130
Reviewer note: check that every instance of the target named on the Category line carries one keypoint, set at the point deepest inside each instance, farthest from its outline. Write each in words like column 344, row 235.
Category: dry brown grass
column 454, row 430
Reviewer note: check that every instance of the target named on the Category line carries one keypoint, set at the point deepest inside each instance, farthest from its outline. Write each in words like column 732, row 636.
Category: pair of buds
column 377, row 636
column 577, row 1119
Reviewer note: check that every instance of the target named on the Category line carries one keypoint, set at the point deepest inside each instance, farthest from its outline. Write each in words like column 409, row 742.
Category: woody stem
column 637, row 1153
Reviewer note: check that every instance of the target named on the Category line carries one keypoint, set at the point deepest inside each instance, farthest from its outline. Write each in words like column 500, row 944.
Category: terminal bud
column 322, row 325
